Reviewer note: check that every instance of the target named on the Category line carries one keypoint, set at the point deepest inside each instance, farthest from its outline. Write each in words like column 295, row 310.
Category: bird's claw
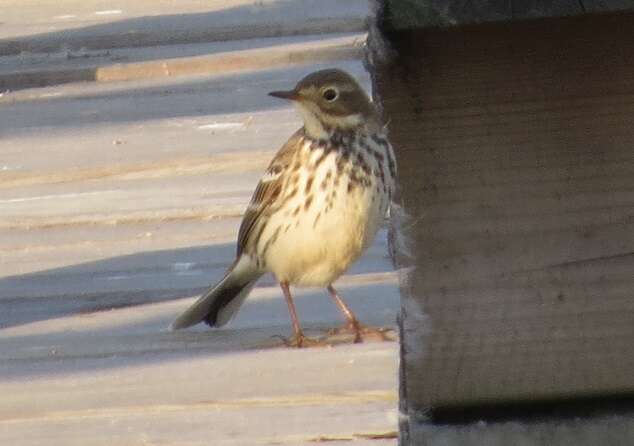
column 302, row 341
column 363, row 333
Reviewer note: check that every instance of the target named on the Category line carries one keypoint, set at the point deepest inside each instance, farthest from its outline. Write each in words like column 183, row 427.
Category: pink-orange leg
column 298, row 339
column 352, row 323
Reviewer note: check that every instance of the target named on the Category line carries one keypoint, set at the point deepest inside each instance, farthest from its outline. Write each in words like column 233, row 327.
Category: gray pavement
column 122, row 64
column 119, row 203
column 35, row 26
column 104, row 41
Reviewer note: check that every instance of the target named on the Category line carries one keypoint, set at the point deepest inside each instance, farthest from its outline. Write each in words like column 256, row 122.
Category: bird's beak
column 290, row 95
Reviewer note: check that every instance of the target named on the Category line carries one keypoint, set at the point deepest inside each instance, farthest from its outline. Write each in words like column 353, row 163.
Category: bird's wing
column 268, row 189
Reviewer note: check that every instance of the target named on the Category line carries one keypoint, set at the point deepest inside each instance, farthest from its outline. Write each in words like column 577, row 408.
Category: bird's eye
column 330, row 94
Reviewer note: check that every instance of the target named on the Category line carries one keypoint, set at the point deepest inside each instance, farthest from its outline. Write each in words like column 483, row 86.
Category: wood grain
column 516, row 154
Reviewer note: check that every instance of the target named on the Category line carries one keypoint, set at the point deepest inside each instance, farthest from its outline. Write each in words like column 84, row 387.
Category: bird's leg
column 298, row 339
column 352, row 323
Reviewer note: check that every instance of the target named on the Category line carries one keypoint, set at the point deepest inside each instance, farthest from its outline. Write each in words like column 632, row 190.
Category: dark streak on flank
column 379, row 140
column 287, row 198
column 309, row 200
column 378, row 156
column 270, row 241
column 391, row 163
column 309, row 183
column 363, row 164
column 259, row 234
column 381, row 174
column 364, row 145
column 390, row 159
column 274, row 194
column 392, row 166
column 322, row 157
column 341, row 165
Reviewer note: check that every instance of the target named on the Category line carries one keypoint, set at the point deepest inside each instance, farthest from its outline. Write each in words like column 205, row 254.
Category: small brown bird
column 317, row 207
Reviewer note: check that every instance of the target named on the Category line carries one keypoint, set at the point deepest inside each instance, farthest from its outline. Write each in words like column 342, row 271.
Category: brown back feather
column 268, row 191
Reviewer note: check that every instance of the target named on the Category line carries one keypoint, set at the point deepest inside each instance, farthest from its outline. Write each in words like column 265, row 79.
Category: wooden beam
column 515, row 146
column 411, row 14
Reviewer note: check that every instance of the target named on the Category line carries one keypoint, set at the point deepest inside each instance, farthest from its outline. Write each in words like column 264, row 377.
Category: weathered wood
column 593, row 431
column 606, row 5
column 516, row 154
column 410, row 14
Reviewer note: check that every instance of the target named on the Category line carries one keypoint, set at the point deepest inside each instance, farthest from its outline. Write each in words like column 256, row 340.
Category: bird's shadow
column 50, row 324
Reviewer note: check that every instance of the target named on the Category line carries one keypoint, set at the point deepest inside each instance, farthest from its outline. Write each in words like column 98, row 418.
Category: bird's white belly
column 319, row 255
column 315, row 246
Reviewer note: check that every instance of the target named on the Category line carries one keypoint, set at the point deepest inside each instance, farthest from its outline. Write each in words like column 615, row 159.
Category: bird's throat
column 314, row 126
column 319, row 125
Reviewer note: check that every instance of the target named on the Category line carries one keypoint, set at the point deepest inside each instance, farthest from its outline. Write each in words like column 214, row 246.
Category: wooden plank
column 606, row 430
column 411, row 14
column 515, row 147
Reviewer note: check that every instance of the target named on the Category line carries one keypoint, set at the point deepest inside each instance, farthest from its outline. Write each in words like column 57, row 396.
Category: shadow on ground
column 238, row 22
column 118, row 282
column 115, row 312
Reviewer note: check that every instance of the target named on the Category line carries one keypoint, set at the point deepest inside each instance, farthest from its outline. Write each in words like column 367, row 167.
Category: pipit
column 317, row 207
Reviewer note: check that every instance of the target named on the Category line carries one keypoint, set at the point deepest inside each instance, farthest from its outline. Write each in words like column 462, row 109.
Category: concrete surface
column 36, row 26
column 120, row 203
column 49, row 43
column 47, row 69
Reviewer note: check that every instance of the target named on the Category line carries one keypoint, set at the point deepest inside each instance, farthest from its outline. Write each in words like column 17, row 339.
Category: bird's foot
column 302, row 341
column 363, row 333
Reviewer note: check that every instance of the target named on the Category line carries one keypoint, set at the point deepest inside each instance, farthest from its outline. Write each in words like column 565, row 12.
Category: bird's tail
column 219, row 304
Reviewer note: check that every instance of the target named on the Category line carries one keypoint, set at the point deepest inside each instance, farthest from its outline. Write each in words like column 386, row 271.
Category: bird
column 317, row 207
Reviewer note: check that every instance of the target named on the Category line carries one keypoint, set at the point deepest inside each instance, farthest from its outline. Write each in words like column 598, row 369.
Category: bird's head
column 331, row 100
